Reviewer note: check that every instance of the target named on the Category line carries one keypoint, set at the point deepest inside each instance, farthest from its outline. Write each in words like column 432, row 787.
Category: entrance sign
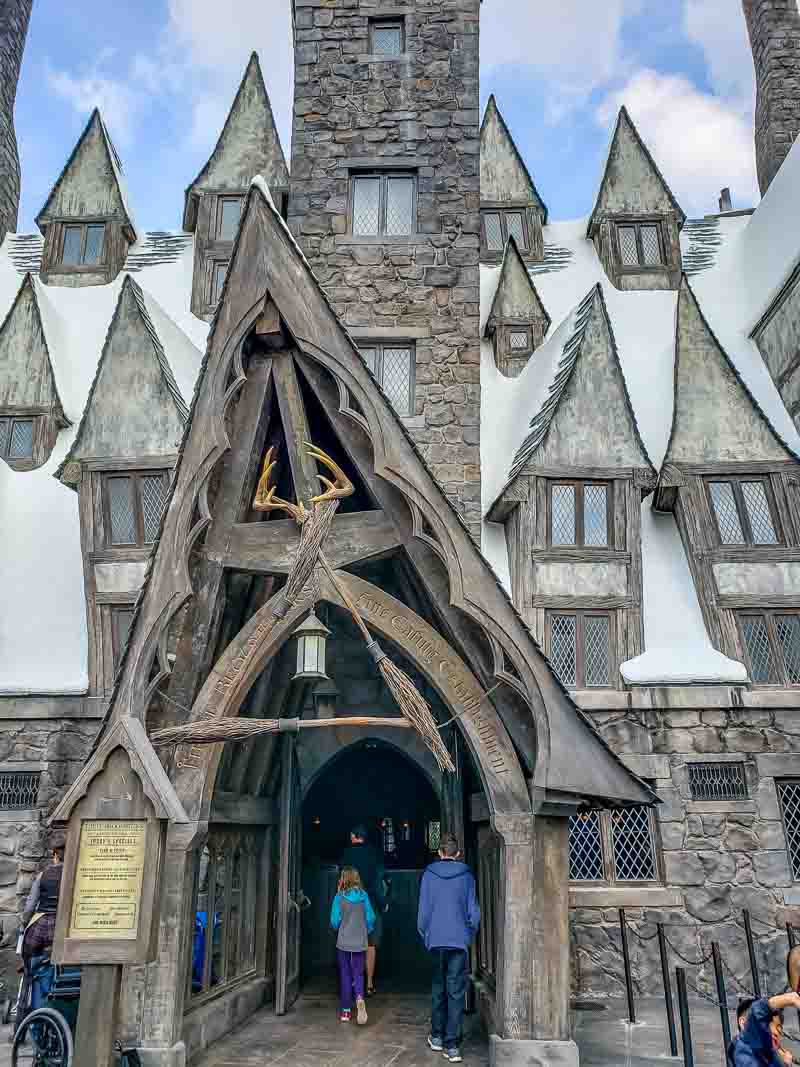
column 106, row 900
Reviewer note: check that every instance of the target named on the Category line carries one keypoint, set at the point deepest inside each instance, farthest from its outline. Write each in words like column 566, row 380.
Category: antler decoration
column 314, row 526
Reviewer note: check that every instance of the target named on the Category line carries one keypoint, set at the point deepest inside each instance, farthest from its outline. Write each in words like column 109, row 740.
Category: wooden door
column 290, row 894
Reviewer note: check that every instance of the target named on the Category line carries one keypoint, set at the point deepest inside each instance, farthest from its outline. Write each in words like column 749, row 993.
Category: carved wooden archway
column 259, row 640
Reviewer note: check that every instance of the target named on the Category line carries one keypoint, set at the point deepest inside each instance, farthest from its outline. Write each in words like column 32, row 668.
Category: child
column 353, row 917
column 760, row 1040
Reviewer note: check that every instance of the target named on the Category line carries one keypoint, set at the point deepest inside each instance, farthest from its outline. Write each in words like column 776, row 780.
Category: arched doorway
column 375, row 783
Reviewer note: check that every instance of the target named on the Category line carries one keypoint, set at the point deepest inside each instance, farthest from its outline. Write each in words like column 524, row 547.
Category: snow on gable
column 504, row 175
column 632, row 182
column 90, row 185
column 27, row 379
column 715, row 417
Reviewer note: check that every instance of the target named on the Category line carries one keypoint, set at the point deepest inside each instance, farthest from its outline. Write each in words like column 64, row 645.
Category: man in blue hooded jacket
column 759, row 1042
column 447, row 922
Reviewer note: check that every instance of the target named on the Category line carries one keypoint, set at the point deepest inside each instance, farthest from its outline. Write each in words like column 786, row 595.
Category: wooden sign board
column 109, row 876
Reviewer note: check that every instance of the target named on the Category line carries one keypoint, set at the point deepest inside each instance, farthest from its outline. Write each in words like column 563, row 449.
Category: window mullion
column 744, row 515
column 607, row 846
column 580, row 530
column 776, row 648
column 639, row 245
column 136, row 479
column 84, row 239
column 383, row 204
column 580, row 665
column 379, row 363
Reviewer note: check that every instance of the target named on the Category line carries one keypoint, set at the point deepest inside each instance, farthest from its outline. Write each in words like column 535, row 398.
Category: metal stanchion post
column 662, row 950
column 626, row 959
column 683, row 1009
column 751, row 951
column 722, row 998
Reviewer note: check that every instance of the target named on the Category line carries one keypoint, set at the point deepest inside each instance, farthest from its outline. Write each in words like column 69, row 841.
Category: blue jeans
column 448, row 994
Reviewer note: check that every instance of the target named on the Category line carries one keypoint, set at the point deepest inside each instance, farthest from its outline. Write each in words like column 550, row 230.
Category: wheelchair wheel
column 43, row 1039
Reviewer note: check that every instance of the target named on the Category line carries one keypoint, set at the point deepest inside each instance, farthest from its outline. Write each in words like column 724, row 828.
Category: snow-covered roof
column 43, row 645
column 738, row 264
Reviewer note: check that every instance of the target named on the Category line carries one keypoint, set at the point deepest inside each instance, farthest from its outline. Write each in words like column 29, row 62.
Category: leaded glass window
column 580, row 514
column 717, row 781
column 19, row 789
column 219, row 270
column 772, row 643
column 16, row 438
column 640, row 244
column 789, row 796
column 384, row 205
column 493, row 228
column 581, row 648
column 393, row 365
column 134, row 504
column 229, row 212
column 82, row 244
column 743, row 511
column 499, row 224
column 121, row 619
column 386, row 38
column 520, row 340
column 613, row 846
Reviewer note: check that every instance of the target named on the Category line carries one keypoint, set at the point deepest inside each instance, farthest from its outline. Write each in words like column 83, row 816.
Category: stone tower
column 385, row 202
column 774, row 28
column 14, row 17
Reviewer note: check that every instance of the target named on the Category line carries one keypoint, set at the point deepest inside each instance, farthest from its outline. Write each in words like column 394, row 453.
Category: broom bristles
column 416, row 710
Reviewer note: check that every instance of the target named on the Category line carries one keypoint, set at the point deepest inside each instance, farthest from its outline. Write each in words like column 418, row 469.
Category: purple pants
column 351, row 977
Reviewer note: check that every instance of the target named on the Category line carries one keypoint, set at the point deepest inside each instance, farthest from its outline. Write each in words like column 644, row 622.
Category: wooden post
column 97, row 1016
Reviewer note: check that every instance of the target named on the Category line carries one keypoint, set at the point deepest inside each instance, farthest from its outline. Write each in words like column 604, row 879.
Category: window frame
column 503, row 212
column 384, row 175
column 794, row 866
column 741, row 508
column 136, row 477
column 610, row 877
column 579, row 484
column 84, row 227
column 117, row 645
column 214, row 264
column 776, row 650
column 387, row 22
column 580, row 615
column 637, row 224
column 18, row 416
column 516, row 353
column 694, row 767
column 380, row 347
column 222, row 199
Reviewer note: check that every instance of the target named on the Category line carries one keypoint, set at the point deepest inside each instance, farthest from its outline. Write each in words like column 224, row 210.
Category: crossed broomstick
column 315, row 522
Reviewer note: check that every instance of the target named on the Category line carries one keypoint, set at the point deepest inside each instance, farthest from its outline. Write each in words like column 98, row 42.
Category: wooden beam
column 295, row 428
column 269, row 547
column 242, row 809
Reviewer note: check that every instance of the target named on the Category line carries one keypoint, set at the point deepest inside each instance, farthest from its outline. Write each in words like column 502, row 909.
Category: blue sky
column 164, row 72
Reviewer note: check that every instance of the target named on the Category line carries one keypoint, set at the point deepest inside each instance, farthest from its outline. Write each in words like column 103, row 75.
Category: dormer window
column 82, row 245
column 519, row 340
column 640, row 244
column 16, row 438
column 133, row 505
column 229, row 213
column 580, row 514
column 744, row 511
column 499, row 225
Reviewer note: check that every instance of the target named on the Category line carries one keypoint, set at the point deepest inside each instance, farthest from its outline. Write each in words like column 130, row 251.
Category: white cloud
column 116, row 100
column 719, row 28
column 700, row 142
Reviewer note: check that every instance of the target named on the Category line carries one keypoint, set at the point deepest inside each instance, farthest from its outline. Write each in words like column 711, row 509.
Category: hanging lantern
column 312, row 637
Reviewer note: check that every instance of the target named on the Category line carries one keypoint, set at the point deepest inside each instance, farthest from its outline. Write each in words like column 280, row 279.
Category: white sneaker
column 361, row 1012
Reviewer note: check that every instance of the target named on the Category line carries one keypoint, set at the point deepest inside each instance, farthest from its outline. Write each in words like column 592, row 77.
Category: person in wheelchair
column 39, row 921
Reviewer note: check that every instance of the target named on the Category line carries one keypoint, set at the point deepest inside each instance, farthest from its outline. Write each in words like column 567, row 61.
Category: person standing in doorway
column 366, row 860
column 353, row 918
column 448, row 920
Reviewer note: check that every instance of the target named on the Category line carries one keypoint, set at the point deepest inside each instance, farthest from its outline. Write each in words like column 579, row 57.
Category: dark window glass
column 82, row 245
column 218, row 273
column 393, row 365
column 613, row 846
column 121, row 619
column 632, row 838
column 73, row 245
column 772, row 642
column 19, row 789
column 134, row 506
column 585, row 848
column 229, row 213
column 717, row 781
column 16, row 438
column 789, row 796
column 122, row 510
column 500, row 224
column 743, row 511
column 95, row 235
column 640, row 244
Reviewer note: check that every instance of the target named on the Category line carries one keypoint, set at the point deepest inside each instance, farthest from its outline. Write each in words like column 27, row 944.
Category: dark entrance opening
column 372, row 783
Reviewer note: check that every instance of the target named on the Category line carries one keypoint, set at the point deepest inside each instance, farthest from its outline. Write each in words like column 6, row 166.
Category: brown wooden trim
column 575, row 554
column 589, row 474
column 144, row 463
column 739, row 470
column 565, row 604
column 752, row 554
column 752, row 603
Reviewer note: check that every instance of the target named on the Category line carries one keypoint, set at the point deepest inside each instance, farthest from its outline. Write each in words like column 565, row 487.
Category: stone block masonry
column 355, row 111
column 14, row 18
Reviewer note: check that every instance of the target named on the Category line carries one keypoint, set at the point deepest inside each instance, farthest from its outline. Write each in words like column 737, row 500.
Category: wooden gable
column 27, row 380
column 715, row 417
column 134, row 408
column 516, row 298
column 504, row 175
column 248, row 145
column 632, row 184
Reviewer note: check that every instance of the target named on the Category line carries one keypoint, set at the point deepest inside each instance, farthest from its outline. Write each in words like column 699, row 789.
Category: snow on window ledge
column 683, row 665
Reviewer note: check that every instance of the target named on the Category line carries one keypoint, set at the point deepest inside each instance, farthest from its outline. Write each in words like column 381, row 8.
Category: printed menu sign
column 108, row 880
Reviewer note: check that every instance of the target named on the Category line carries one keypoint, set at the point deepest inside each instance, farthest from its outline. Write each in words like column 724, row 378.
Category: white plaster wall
column 757, row 579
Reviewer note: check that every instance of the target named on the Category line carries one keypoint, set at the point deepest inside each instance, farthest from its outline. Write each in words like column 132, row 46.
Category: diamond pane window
column 20, row 445
column 229, row 212
column 494, row 231
column 627, row 246
column 434, row 835
column 370, row 357
column 520, row 340
column 651, row 247
column 516, row 229
column 598, row 667
column 632, row 837
column 95, row 236
column 726, row 513
column 563, row 648
column 73, row 243
column 789, row 796
column 122, row 511
column 121, row 619
column 787, row 631
column 399, row 206
column 595, row 515
column 366, row 206
column 717, row 781
column 5, row 426
column 218, row 273
column 562, row 514
column 153, row 492
column 756, row 502
column 585, row 848
column 19, row 789
column 756, row 638
column 393, row 366
column 387, row 39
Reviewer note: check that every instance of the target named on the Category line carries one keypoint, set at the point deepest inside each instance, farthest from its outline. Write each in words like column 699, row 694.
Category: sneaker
column 452, row 1055
column 436, row 1044
column 344, row 1016
column 361, row 1012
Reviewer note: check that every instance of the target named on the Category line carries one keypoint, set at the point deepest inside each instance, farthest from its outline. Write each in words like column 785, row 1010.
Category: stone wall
column 717, row 857
column 420, row 109
column 774, row 28
column 14, row 16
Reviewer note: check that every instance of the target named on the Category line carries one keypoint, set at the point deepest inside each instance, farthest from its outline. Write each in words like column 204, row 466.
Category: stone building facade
column 14, row 18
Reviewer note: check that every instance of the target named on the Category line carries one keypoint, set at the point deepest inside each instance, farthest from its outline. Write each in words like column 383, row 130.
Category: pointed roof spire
column 516, row 297
column 248, row 145
column 631, row 179
column 27, row 376
column 91, row 183
column 504, row 175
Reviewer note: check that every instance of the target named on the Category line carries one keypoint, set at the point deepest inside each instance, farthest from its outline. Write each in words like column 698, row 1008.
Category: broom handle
column 348, row 600
column 356, row 720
